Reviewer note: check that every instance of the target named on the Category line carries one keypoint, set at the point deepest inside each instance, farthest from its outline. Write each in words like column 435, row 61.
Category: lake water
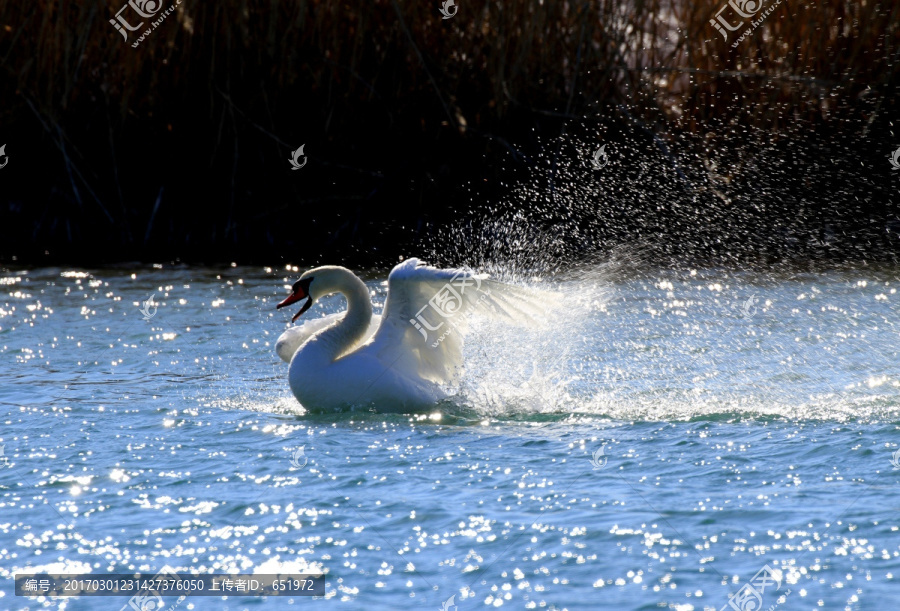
column 653, row 443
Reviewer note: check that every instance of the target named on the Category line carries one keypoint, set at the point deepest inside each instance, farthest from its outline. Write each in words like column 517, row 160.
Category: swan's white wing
column 290, row 341
column 427, row 313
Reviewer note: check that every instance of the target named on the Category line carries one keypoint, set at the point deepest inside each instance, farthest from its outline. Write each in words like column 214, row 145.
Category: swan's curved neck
column 340, row 338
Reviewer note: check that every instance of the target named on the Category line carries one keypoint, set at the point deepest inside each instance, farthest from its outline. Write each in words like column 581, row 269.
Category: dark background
column 463, row 140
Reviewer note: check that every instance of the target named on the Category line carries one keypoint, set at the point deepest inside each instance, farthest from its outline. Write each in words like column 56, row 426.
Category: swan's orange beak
column 294, row 297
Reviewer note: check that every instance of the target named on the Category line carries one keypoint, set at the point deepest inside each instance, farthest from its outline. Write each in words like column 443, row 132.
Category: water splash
column 510, row 369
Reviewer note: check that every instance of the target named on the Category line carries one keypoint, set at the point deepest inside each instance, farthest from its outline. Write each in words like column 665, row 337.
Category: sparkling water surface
column 653, row 443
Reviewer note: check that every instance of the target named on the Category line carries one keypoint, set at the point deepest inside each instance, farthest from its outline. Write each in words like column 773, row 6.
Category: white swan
column 402, row 360
column 290, row 341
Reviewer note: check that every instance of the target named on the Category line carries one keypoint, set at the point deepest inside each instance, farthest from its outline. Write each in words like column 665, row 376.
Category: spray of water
column 633, row 334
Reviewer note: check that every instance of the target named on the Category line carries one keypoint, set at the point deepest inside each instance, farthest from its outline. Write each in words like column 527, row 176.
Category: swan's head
column 315, row 283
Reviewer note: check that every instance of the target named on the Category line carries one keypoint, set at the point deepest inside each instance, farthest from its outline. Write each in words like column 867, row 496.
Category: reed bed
column 222, row 90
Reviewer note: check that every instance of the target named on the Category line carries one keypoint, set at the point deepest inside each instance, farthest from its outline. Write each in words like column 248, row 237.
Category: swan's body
column 402, row 360
column 290, row 341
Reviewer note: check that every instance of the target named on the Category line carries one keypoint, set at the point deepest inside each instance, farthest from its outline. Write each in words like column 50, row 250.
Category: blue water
column 737, row 420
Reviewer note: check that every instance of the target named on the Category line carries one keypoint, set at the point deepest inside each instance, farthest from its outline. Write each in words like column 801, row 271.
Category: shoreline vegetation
column 418, row 129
